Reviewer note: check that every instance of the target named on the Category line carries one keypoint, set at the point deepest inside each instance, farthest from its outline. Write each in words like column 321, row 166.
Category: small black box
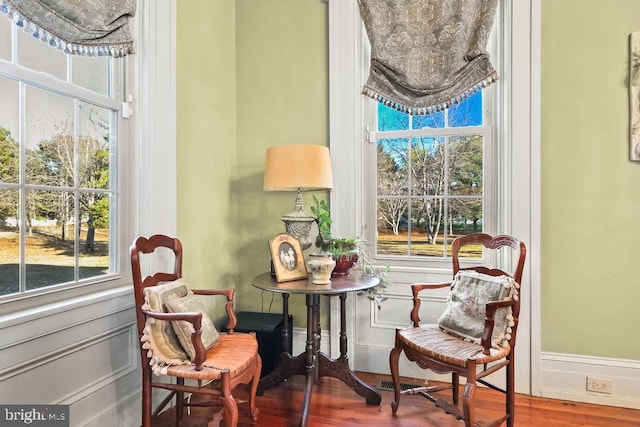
column 268, row 328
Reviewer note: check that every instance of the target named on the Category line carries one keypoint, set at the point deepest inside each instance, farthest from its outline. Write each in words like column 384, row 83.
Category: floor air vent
column 388, row 385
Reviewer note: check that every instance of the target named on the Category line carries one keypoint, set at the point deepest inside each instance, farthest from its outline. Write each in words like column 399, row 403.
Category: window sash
column 412, row 199
column 118, row 154
column 371, row 198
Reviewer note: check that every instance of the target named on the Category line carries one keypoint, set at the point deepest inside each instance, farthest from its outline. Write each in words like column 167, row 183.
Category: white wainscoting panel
column 375, row 328
column 564, row 376
column 82, row 352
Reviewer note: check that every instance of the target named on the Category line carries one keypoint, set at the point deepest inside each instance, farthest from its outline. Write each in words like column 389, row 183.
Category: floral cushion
column 466, row 306
column 184, row 329
column 165, row 341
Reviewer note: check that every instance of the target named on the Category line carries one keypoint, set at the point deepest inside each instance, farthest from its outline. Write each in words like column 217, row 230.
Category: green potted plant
column 344, row 251
column 347, row 252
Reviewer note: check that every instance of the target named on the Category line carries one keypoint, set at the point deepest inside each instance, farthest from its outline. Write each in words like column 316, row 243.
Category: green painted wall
column 282, row 72
column 590, row 189
column 251, row 74
column 206, row 135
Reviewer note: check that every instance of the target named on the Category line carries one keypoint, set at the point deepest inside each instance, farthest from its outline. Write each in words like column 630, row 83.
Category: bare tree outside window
column 57, row 139
column 429, row 179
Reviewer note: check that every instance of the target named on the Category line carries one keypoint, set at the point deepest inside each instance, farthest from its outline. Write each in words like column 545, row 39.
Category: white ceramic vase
column 321, row 265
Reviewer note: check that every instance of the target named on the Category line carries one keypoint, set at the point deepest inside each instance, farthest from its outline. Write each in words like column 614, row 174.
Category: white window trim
column 521, row 120
column 155, row 111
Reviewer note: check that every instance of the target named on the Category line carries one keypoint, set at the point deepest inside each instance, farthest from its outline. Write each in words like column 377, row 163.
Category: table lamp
column 298, row 168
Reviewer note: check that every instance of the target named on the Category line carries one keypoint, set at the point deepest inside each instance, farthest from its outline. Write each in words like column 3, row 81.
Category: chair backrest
column 495, row 243
column 143, row 245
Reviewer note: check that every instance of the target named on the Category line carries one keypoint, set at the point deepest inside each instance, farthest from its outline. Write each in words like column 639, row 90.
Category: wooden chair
column 217, row 371
column 432, row 348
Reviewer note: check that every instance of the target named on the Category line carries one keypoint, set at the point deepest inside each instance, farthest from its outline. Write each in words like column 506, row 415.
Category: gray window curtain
column 427, row 54
column 77, row 27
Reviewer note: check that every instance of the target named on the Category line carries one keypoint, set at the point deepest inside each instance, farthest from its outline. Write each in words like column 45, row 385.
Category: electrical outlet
column 599, row 385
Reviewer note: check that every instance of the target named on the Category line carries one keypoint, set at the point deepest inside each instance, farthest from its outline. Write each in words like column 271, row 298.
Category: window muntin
column 58, row 139
column 430, row 173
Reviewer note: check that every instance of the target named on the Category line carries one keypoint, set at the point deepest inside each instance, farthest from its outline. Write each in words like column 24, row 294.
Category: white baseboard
column 564, row 376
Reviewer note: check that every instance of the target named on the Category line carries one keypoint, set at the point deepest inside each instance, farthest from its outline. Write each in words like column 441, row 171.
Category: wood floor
column 335, row 404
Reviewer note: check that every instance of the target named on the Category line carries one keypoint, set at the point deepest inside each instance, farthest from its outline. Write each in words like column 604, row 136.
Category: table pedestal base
column 315, row 364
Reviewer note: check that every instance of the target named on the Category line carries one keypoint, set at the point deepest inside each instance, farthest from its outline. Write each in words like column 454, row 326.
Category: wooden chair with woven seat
column 175, row 332
column 476, row 335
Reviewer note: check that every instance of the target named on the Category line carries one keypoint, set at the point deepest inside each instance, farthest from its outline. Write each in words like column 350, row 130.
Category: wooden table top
column 354, row 281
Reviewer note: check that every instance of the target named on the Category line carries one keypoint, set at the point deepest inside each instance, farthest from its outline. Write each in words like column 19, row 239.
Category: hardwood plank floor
column 335, row 404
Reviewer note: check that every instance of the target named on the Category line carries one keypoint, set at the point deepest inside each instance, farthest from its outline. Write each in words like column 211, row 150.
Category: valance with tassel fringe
column 77, row 27
column 427, row 54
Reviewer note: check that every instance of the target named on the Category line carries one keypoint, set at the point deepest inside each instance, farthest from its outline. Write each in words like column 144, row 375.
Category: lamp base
column 299, row 227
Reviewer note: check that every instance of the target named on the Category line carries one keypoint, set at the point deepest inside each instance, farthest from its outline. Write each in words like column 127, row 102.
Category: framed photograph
column 286, row 254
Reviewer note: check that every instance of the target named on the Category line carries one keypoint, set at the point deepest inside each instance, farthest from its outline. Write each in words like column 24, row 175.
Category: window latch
column 127, row 109
column 370, row 135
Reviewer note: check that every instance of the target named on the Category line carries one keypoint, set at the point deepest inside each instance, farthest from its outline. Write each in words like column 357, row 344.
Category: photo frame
column 287, row 258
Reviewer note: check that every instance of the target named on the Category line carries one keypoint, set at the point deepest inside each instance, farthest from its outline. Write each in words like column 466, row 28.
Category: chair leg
column 455, row 384
column 146, row 398
column 510, row 391
column 254, row 388
column 468, row 402
column 228, row 402
column 179, row 403
column 394, row 356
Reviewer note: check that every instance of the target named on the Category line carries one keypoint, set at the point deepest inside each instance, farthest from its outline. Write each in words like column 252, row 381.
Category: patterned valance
column 77, row 27
column 427, row 54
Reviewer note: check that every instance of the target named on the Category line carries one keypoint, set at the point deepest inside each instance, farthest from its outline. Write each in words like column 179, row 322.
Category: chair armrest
column 416, row 288
column 195, row 318
column 229, row 293
column 491, row 309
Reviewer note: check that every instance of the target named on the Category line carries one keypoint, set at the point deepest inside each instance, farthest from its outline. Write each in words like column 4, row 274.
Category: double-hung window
column 431, row 173
column 60, row 132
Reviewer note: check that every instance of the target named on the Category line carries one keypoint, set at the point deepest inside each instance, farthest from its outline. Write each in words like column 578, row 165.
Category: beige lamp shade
column 298, row 167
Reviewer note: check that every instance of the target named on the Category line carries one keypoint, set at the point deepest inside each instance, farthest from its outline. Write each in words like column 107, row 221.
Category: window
column 419, row 181
column 430, row 174
column 60, row 129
